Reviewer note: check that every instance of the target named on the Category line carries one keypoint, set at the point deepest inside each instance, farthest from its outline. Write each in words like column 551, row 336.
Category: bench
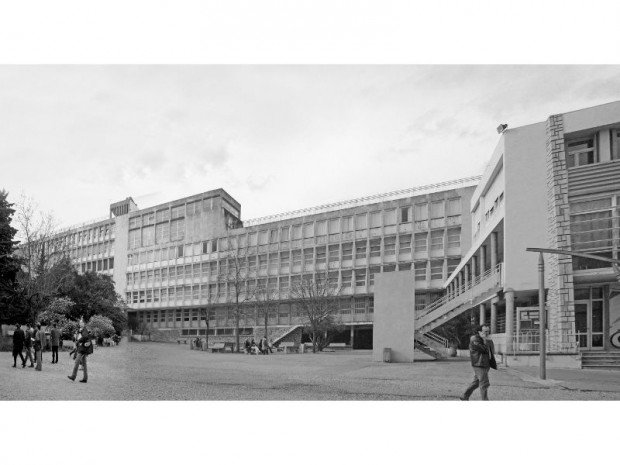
column 222, row 346
column 334, row 346
column 288, row 347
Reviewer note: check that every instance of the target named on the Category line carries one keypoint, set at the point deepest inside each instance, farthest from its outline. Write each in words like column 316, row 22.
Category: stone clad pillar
column 352, row 336
column 474, row 267
column 510, row 313
column 483, row 259
column 483, row 310
column 466, row 274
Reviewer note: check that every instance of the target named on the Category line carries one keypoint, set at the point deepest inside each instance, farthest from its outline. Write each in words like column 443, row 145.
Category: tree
column 266, row 302
column 56, row 311
column 46, row 269
column 316, row 297
column 94, row 294
column 9, row 265
column 100, row 326
column 458, row 329
column 233, row 275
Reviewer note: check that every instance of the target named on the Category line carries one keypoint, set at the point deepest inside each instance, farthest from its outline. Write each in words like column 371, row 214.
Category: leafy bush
column 100, row 326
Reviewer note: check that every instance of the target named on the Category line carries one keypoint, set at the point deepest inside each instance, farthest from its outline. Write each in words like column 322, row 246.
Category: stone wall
column 558, row 268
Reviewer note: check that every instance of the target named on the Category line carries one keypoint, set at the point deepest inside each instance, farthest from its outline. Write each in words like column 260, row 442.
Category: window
column 263, row 237
column 438, row 209
column 404, row 244
column 308, row 230
column 371, row 275
column 360, row 250
column 581, row 152
column 360, row 278
column 177, row 229
column 285, row 234
column 404, row 266
column 437, row 269
column 454, row 207
column 421, row 212
column 148, row 236
column 361, row 221
column 134, row 222
column 262, row 262
column 437, row 240
column 134, row 239
column 273, row 236
column 180, row 251
column 177, row 212
column 148, row 218
column 592, row 231
column 347, row 224
column 405, row 214
column 452, row 264
column 375, row 248
column 285, row 259
column 334, row 253
column 375, row 219
column 308, row 257
column 347, row 278
column 162, row 215
column 420, row 271
column 454, row 237
column 297, row 231
column 321, row 228
column 321, row 255
column 389, row 245
column 420, row 241
column 347, row 251
column 389, row 217
column 334, row 226
column 360, row 305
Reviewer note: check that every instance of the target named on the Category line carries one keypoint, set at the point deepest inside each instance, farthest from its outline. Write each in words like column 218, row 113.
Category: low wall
column 533, row 360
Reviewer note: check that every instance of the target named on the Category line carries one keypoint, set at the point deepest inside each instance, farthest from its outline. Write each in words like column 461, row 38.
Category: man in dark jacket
column 28, row 346
column 39, row 345
column 55, row 337
column 83, row 347
column 18, row 345
column 481, row 352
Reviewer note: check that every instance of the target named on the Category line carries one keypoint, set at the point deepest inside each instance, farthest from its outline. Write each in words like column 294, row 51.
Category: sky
column 275, row 137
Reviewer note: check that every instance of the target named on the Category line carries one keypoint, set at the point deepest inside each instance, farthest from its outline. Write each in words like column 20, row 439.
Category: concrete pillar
column 493, row 250
column 466, row 273
column 510, row 312
column 483, row 259
column 493, row 325
column 352, row 336
column 483, row 316
column 458, row 282
column 474, row 267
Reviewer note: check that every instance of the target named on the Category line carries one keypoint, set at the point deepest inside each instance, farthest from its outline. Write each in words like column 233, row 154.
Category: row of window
column 595, row 228
column 586, row 150
column 333, row 253
column 88, row 236
column 98, row 265
column 359, row 277
column 169, row 225
column 90, row 250
column 358, row 305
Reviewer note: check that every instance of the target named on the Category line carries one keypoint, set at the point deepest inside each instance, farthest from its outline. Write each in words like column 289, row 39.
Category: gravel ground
column 157, row 371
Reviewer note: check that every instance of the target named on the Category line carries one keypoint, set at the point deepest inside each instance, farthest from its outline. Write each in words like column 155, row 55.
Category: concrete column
column 483, row 316
column 474, row 267
column 493, row 325
column 458, row 282
column 466, row 273
column 352, row 336
column 510, row 312
column 483, row 259
column 493, row 250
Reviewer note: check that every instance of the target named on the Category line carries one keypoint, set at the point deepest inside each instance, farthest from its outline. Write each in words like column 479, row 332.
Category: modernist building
column 172, row 261
column 553, row 184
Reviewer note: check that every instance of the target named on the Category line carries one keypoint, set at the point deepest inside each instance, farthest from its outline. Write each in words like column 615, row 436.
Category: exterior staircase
column 431, row 344
column 600, row 360
column 450, row 306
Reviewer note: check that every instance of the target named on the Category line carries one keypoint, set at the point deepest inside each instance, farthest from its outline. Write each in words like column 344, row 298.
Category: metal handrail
column 437, row 338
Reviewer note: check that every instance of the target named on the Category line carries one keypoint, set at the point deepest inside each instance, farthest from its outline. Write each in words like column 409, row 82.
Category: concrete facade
column 394, row 317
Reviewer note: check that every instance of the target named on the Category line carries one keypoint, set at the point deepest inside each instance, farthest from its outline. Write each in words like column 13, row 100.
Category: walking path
column 158, row 371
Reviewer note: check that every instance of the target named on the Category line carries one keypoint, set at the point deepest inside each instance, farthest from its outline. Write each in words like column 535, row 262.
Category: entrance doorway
column 589, row 318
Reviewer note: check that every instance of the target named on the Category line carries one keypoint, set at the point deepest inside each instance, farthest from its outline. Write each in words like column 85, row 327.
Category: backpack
column 89, row 347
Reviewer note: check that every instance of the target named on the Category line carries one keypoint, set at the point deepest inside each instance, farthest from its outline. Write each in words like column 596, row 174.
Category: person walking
column 482, row 355
column 39, row 344
column 28, row 346
column 18, row 345
column 55, row 337
column 84, row 346
column 265, row 346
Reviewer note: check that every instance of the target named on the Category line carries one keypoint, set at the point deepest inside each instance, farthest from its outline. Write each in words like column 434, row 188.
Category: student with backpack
column 84, row 348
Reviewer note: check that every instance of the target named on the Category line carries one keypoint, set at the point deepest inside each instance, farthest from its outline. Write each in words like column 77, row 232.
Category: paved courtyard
column 156, row 371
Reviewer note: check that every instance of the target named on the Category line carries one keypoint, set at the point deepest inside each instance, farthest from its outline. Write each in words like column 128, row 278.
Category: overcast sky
column 277, row 138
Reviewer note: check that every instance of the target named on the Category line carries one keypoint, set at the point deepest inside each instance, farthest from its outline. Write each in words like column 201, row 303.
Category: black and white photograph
column 303, row 248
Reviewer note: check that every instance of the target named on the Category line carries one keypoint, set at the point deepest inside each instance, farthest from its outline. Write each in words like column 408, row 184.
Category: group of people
column 35, row 338
column 263, row 347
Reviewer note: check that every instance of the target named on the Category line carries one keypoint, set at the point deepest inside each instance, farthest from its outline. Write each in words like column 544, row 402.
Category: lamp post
column 542, row 316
